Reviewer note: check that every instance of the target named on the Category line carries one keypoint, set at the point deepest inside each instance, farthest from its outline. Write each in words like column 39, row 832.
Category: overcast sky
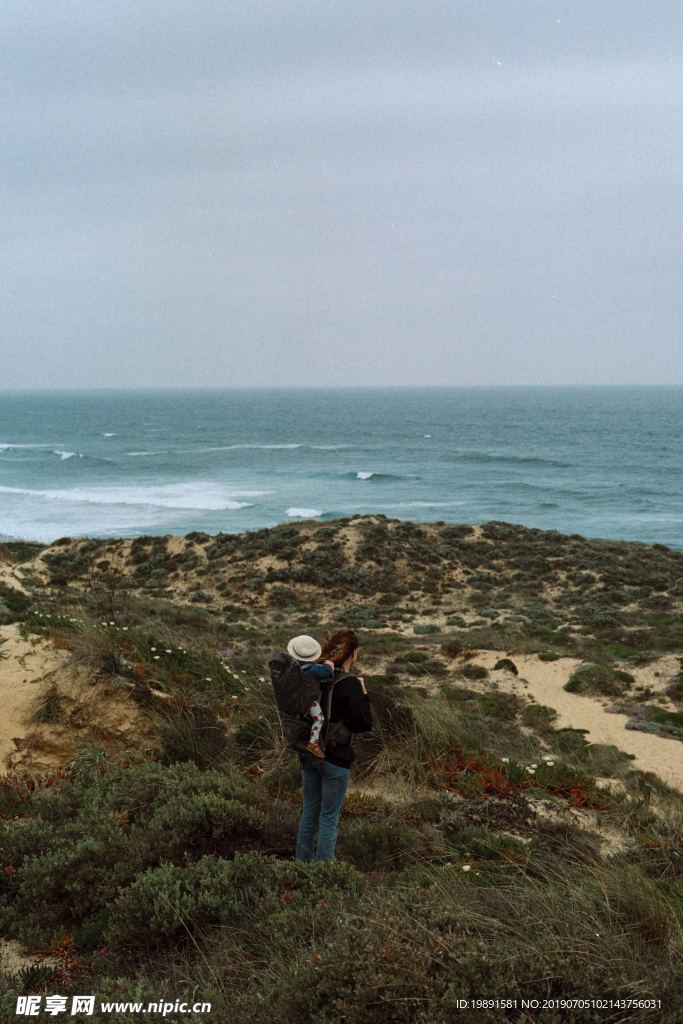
column 338, row 192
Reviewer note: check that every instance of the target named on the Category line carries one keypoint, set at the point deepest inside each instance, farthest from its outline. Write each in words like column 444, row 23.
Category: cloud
column 210, row 191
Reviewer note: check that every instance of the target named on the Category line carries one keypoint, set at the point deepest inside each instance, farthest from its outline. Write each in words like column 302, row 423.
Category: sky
column 340, row 192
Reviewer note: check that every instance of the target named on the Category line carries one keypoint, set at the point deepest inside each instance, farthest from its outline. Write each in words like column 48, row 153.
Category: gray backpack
column 295, row 691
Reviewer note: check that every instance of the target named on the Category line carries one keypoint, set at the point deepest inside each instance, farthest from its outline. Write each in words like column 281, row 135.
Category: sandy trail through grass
column 546, row 682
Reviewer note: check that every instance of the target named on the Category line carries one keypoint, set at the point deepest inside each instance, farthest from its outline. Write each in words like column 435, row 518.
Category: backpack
column 295, row 691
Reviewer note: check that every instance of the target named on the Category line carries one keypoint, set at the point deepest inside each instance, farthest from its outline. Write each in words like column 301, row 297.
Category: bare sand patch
column 94, row 710
column 657, row 676
column 613, row 840
column 545, row 683
column 13, row 959
column 28, row 663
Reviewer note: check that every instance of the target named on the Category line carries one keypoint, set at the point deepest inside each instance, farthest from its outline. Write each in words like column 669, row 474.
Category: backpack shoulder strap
column 331, row 683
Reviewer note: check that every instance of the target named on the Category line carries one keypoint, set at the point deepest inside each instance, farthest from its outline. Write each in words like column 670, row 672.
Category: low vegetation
column 483, row 853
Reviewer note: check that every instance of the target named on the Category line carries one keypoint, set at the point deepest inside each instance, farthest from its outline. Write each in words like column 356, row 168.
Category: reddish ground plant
column 475, row 775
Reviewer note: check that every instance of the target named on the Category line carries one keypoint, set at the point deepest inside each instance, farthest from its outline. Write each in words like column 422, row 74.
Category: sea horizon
column 182, row 389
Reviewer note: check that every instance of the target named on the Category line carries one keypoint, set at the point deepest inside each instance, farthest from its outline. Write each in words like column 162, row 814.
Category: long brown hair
column 339, row 646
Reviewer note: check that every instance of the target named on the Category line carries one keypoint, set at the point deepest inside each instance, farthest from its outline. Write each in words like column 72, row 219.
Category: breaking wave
column 174, row 496
column 304, row 513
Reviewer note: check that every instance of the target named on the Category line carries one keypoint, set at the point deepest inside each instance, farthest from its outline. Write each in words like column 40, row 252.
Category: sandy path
column 546, row 680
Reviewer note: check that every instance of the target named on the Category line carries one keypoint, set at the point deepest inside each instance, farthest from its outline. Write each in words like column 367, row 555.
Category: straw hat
column 304, row 648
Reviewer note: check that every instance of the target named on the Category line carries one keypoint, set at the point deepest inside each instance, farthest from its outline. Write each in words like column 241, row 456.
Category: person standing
column 324, row 782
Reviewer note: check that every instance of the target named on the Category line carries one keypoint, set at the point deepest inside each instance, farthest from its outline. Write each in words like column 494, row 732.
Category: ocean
column 599, row 461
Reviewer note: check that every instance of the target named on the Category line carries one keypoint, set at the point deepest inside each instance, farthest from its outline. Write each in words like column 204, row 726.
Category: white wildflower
column 531, row 771
column 467, row 867
column 208, row 679
column 156, row 657
column 505, row 760
column 169, row 650
column 550, row 763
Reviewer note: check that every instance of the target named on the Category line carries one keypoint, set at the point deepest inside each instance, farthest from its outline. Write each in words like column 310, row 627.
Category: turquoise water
column 602, row 462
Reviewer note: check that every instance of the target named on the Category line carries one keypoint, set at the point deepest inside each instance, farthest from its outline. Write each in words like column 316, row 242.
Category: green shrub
column 361, row 617
column 471, row 671
column 674, row 718
column 501, row 705
column 14, row 605
column 194, row 824
column 33, row 837
column 95, row 835
column 168, row 905
column 598, row 679
column 538, row 716
column 506, row 664
column 62, row 886
column 378, row 845
column 415, row 657
column 66, row 566
column 675, row 690
column 283, row 597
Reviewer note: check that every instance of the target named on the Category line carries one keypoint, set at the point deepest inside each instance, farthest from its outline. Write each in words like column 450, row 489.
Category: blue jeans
column 323, row 793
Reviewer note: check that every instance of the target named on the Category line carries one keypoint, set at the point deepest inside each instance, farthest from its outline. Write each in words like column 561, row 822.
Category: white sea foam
column 362, row 475
column 9, row 446
column 304, row 513
column 196, row 495
column 110, row 435
column 263, row 447
column 241, row 447
column 63, row 455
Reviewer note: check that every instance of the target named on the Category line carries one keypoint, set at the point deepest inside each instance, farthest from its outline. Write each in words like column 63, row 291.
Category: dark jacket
column 352, row 707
